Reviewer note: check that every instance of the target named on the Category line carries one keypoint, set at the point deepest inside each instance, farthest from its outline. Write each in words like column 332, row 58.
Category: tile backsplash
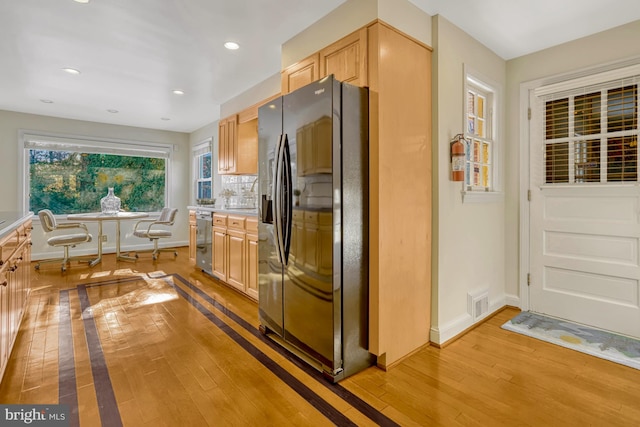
column 238, row 191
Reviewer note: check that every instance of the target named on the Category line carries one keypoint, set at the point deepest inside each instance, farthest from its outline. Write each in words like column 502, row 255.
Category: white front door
column 584, row 256
column 585, row 209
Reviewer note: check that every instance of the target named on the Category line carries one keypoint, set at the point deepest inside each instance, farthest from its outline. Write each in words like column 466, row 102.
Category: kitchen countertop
column 209, row 208
column 10, row 220
column 254, row 211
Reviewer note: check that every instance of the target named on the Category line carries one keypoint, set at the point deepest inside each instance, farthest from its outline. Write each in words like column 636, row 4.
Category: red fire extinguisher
column 457, row 158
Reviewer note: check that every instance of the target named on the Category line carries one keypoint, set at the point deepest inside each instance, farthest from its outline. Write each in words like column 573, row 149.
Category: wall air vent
column 478, row 304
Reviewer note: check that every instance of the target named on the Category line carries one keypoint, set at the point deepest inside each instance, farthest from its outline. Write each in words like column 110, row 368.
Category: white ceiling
column 133, row 53
column 512, row 28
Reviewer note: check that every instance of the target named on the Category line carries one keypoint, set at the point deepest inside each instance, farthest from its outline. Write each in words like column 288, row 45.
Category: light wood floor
column 170, row 352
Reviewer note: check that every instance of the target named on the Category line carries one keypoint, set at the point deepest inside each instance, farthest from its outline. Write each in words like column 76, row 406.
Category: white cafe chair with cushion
column 156, row 229
column 50, row 225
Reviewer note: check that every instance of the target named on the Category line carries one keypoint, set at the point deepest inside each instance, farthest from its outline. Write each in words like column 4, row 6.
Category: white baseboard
column 443, row 333
column 512, row 300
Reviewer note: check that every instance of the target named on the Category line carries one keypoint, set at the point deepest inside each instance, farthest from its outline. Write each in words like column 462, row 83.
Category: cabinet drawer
column 219, row 219
column 311, row 217
column 236, row 222
column 252, row 225
column 298, row 215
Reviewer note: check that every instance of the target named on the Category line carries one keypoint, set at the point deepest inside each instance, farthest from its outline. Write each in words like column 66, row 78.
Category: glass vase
column 110, row 203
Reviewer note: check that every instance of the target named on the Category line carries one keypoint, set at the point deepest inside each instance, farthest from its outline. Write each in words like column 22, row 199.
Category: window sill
column 482, row 196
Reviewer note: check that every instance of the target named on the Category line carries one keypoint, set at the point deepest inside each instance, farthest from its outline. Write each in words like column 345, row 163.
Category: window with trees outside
column 202, row 170
column 479, row 136
column 204, row 176
column 72, row 176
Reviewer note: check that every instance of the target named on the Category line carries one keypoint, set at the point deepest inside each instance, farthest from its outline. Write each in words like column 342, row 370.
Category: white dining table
column 100, row 218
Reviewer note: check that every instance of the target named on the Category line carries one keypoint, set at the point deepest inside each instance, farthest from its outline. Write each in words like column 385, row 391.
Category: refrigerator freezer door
column 269, row 266
column 311, row 123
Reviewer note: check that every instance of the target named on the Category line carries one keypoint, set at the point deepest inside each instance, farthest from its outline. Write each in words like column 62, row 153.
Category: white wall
column 350, row 16
column 263, row 90
column 580, row 55
column 469, row 239
column 343, row 20
column 10, row 172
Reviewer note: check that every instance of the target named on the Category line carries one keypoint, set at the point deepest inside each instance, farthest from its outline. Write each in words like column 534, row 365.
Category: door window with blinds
column 591, row 134
column 479, row 136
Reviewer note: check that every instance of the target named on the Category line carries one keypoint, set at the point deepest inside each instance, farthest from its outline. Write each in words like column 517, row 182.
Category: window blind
column 590, row 133
column 202, row 148
column 134, row 148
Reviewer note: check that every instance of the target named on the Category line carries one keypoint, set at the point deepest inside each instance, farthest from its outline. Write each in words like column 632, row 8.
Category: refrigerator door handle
column 277, row 200
column 288, row 199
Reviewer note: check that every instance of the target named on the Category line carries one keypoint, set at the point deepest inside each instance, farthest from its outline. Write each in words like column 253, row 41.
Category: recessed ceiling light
column 46, row 101
column 111, row 110
column 71, row 71
column 81, row 1
column 178, row 92
column 165, row 118
column 232, row 45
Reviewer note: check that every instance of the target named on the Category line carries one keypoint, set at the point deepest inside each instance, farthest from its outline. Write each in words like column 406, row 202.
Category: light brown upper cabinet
column 247, row 147
column 237, row 146
column 238, row 141
column 346, row 59
column 227, row 145
column 300, row 74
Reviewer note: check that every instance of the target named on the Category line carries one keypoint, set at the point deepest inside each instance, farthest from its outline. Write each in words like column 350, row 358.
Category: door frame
column 525, row 228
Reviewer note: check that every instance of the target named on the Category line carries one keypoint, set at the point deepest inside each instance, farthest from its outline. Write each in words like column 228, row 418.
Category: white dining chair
column 66, row 241
column 156, row 229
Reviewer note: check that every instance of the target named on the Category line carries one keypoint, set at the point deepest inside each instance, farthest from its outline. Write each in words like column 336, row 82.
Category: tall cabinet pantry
column 397, row 70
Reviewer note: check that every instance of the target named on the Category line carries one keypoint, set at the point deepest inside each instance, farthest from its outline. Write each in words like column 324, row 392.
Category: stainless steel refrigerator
column 313, row 229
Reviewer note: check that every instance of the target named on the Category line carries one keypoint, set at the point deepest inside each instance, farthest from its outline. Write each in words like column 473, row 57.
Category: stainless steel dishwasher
column 203, row 241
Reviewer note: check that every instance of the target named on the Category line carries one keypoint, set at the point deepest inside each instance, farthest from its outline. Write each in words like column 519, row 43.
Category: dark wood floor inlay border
column 305, row 392
column 67, row 389
column 109, row 412
column 353, row 400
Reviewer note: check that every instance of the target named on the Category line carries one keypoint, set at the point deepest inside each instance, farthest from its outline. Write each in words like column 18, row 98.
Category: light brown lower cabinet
column 252, row 257
column 236, row 247
column 193, row 235
column 15, row 279
column 219, row 246
column 235, row 251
